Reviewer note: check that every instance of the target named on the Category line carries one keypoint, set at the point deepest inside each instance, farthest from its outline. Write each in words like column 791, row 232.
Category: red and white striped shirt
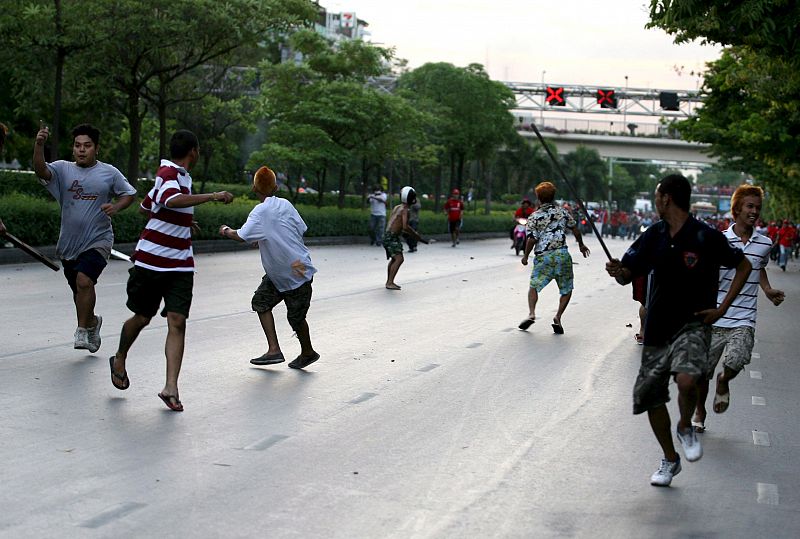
column 166, row 242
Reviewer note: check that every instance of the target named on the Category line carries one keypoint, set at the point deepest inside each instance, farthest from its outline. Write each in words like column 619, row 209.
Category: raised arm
column 39, row 164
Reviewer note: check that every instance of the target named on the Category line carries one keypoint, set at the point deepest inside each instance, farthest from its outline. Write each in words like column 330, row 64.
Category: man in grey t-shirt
column 85, row 190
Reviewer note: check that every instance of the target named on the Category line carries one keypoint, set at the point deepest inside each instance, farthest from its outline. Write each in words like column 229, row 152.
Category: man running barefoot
column 547, row 237
column 392, row 239
column 288, row 271
column 733, row 335
column 685, row 256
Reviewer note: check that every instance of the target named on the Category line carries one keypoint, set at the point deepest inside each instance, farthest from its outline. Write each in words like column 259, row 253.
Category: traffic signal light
column 668, row 100
column 555, row 97
column 607, row 99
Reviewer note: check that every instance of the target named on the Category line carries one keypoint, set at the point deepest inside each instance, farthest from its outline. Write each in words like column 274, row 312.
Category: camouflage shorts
column 733, row 346
column 393, row 244
column 687, row 353
column 549, row 265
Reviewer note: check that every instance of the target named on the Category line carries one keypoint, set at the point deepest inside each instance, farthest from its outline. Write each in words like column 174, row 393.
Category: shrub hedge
column 37, row 220
column 26, row 183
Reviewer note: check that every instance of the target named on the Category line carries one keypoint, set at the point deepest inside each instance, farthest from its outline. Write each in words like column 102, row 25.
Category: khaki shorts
column 687, row 353
column 734, row 345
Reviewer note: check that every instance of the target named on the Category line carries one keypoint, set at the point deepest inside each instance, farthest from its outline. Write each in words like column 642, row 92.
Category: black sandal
column 125, row 383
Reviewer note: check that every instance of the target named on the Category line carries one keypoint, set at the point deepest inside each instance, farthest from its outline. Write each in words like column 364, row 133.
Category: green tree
column 751, row 115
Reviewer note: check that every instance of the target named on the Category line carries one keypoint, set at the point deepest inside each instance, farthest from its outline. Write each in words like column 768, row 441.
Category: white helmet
column 408, row 195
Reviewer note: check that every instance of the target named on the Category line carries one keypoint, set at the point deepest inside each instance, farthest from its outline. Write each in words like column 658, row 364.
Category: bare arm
column 530, row 243
column 619, row 272
column 578, row 236
column 407, row 229
column 775, row 296
column 39, row 164
column 742, row 272
column 227, row 232
column 122, row 202
column 186, row 201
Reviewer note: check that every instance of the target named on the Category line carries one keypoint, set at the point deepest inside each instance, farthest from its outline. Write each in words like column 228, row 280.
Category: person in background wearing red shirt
column 523, row 212
column 454, row 208
column 786, row 237
column 772, row 234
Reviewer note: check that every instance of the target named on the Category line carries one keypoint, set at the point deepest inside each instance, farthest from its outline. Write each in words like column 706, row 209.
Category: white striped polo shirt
column 166, row 242
column 742, row 311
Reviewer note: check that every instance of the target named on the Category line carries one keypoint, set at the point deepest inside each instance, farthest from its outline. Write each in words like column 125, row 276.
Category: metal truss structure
column 583, row 99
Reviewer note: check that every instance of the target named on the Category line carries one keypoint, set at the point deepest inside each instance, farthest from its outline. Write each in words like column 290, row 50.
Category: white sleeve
column 253, row 229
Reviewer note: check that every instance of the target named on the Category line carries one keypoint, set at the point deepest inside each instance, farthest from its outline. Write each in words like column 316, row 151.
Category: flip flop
column 557, row 329
column 699, row 426
column 268, row 360
column 172, row 402
column 124, row 382
column 721, row 400
column 525, row 324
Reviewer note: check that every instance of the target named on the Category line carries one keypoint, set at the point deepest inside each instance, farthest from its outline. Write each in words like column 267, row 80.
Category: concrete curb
column 16, row 256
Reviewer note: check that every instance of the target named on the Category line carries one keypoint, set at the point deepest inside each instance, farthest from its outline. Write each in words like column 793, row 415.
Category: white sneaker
column 663, row 476
column 692, row 448
column 94, row 335
column 81, row 339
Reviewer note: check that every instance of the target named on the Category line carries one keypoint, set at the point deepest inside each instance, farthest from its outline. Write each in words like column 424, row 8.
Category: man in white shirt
column 733, row 335
column 377, row 215
column 278, row 229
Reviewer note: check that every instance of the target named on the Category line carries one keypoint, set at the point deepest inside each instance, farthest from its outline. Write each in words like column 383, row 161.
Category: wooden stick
column 35, row 253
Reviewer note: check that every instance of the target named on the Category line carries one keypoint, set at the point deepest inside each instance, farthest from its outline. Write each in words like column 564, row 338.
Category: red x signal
column 607, row 99
column 555, row 97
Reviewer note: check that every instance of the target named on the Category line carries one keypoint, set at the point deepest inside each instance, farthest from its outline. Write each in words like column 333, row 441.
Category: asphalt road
column 429, row 414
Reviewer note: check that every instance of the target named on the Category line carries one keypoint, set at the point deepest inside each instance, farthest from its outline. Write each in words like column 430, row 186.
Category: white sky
column 592, row 42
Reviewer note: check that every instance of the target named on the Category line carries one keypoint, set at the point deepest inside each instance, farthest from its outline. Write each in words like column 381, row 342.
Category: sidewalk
column 17, row 256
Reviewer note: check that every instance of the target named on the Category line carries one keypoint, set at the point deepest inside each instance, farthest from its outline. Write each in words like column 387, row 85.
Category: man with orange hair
column 547, row 238
column 733, row 335
column 288, row 272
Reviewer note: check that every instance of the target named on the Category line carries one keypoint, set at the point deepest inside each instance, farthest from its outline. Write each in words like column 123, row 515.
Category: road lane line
column 112, row 514
column 759, row 401
column 761, row 438
column 767, row 493
column 475, row 345
column 363, row 397
column 755, row 355
column 427, row 368
column 264, row 443
column 755, row 374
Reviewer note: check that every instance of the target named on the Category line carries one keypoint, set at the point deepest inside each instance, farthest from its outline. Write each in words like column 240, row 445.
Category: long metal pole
column 574, row 192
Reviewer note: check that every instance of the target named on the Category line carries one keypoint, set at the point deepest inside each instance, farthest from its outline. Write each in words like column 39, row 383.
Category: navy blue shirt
column 685, row 274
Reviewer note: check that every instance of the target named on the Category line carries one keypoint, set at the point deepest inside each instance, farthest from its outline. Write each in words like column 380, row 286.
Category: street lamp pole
column 625, row 108
column 541, row 110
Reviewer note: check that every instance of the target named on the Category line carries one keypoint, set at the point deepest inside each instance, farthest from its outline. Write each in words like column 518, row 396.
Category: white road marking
column 429, row 367
column 761, row 438
column 755, row 374
column 265, row 442
column 759, row 401
column 767, row 493
column 363, row 397
column 755, row 355
column 113, row 513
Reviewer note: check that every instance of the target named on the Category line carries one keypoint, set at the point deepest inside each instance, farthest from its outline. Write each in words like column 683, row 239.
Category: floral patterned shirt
column 548, row 227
